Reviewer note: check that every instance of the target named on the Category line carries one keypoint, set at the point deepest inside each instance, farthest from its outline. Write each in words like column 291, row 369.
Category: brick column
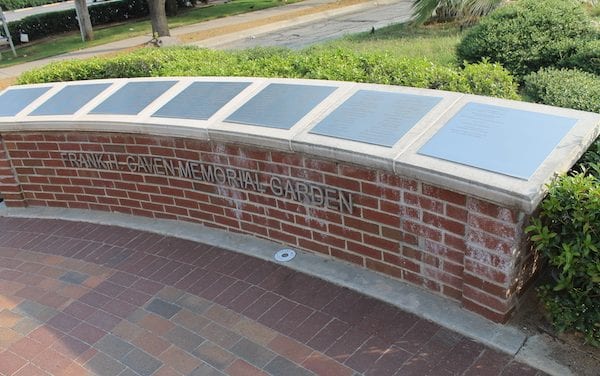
column 497, row 260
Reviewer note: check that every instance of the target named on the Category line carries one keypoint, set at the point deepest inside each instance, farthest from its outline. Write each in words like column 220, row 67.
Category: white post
column 78, row 15
column 7, row 32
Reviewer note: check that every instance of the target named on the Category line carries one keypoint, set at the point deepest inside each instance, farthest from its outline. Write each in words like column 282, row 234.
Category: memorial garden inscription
column 295, row 190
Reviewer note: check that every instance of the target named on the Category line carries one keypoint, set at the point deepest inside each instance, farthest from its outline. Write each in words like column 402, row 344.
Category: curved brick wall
column 469, row 250
column 430, row 187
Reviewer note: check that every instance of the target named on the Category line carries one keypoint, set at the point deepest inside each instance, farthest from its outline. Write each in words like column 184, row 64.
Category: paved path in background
column 307, row 34
column 85, row 299
column 221, row 31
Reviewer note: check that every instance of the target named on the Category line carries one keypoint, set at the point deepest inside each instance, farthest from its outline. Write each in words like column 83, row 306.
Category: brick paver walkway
column 80, row 299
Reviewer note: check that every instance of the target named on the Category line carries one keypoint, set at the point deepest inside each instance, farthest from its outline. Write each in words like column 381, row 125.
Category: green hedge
column 41, row 25
column 586, row 57
column 527, row 35
column 316, row 63
column 564, row 88
column 567, row 232
column 18, row 4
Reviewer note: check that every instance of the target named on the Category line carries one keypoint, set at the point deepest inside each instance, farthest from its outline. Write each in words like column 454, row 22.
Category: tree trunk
column 158, row 18
column 85, row 23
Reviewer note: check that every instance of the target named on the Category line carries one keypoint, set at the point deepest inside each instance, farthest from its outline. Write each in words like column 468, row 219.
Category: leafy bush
column 18, row 4
column 567, row 232
column 565, row 88
column 316, row 63
column 41, row 25
column 586, row 57
column 527, row 35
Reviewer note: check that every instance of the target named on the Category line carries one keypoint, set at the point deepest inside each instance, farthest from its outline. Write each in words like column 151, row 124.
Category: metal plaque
column 14, row 101
column 376, row 117
column 70, row 99
column 498, row 139
column 280, row 105
column 201, row 100
column 132, row 98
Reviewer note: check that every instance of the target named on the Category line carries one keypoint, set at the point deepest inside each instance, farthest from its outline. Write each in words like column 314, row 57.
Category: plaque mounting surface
column 498, row 139
column 15, row 100
column 201, row 100
column 376, row 117
column 280, row 105
column 69, row 99
column 132, row 98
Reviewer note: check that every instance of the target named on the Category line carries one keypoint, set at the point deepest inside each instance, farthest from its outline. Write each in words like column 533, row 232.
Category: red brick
column 308, row 245
column 329, row 239
column 452, row 293
column 491, row 226
column 384, row 268
column 490, row 242
column 492, row 210
column 421, row 230
column 402, row 262
column 486, row 312
column 379, row 217
column 361, row 225
column 412, row 253
column 444, row 195
column 486, row 300
column 381, row 191
column 305, row 174
column 487, row 272
column 488, row 258
column 455, row 242
column 364, row 250
column 295, row 230
column 444, row 223
column 456, row 213
column 281, row 236
column 357, row 172
column 344, row 232
column 347, row 256
column 397, row 181
column 453, row 268
column 443, row 251
column 320, row 165
column 445, row 278
column 382, row 243
column 287, row 158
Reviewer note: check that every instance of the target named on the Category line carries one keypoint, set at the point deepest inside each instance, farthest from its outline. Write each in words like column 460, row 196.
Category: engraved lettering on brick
column 298, row 191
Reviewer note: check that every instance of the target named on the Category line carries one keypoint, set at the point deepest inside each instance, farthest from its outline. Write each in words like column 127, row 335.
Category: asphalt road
column 307, row 34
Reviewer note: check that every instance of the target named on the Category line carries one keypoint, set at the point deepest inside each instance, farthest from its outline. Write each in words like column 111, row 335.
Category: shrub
column 565, row 88
column 527, row 35
column 586, row 57
column 41, row 25
column 567, row 232
column 316, row 63
column 490, row 79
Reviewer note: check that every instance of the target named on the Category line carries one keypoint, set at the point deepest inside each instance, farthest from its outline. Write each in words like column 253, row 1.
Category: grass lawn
column 435, row 42
column 57, row 45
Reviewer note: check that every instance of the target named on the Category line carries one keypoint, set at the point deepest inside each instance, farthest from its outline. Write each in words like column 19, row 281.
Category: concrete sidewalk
column 219, row 31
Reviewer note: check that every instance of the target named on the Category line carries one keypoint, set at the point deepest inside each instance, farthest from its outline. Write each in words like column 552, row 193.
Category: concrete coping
column 401, row 158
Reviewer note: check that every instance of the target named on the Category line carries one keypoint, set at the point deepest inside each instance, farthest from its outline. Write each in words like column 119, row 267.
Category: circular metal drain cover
column 285, row 255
